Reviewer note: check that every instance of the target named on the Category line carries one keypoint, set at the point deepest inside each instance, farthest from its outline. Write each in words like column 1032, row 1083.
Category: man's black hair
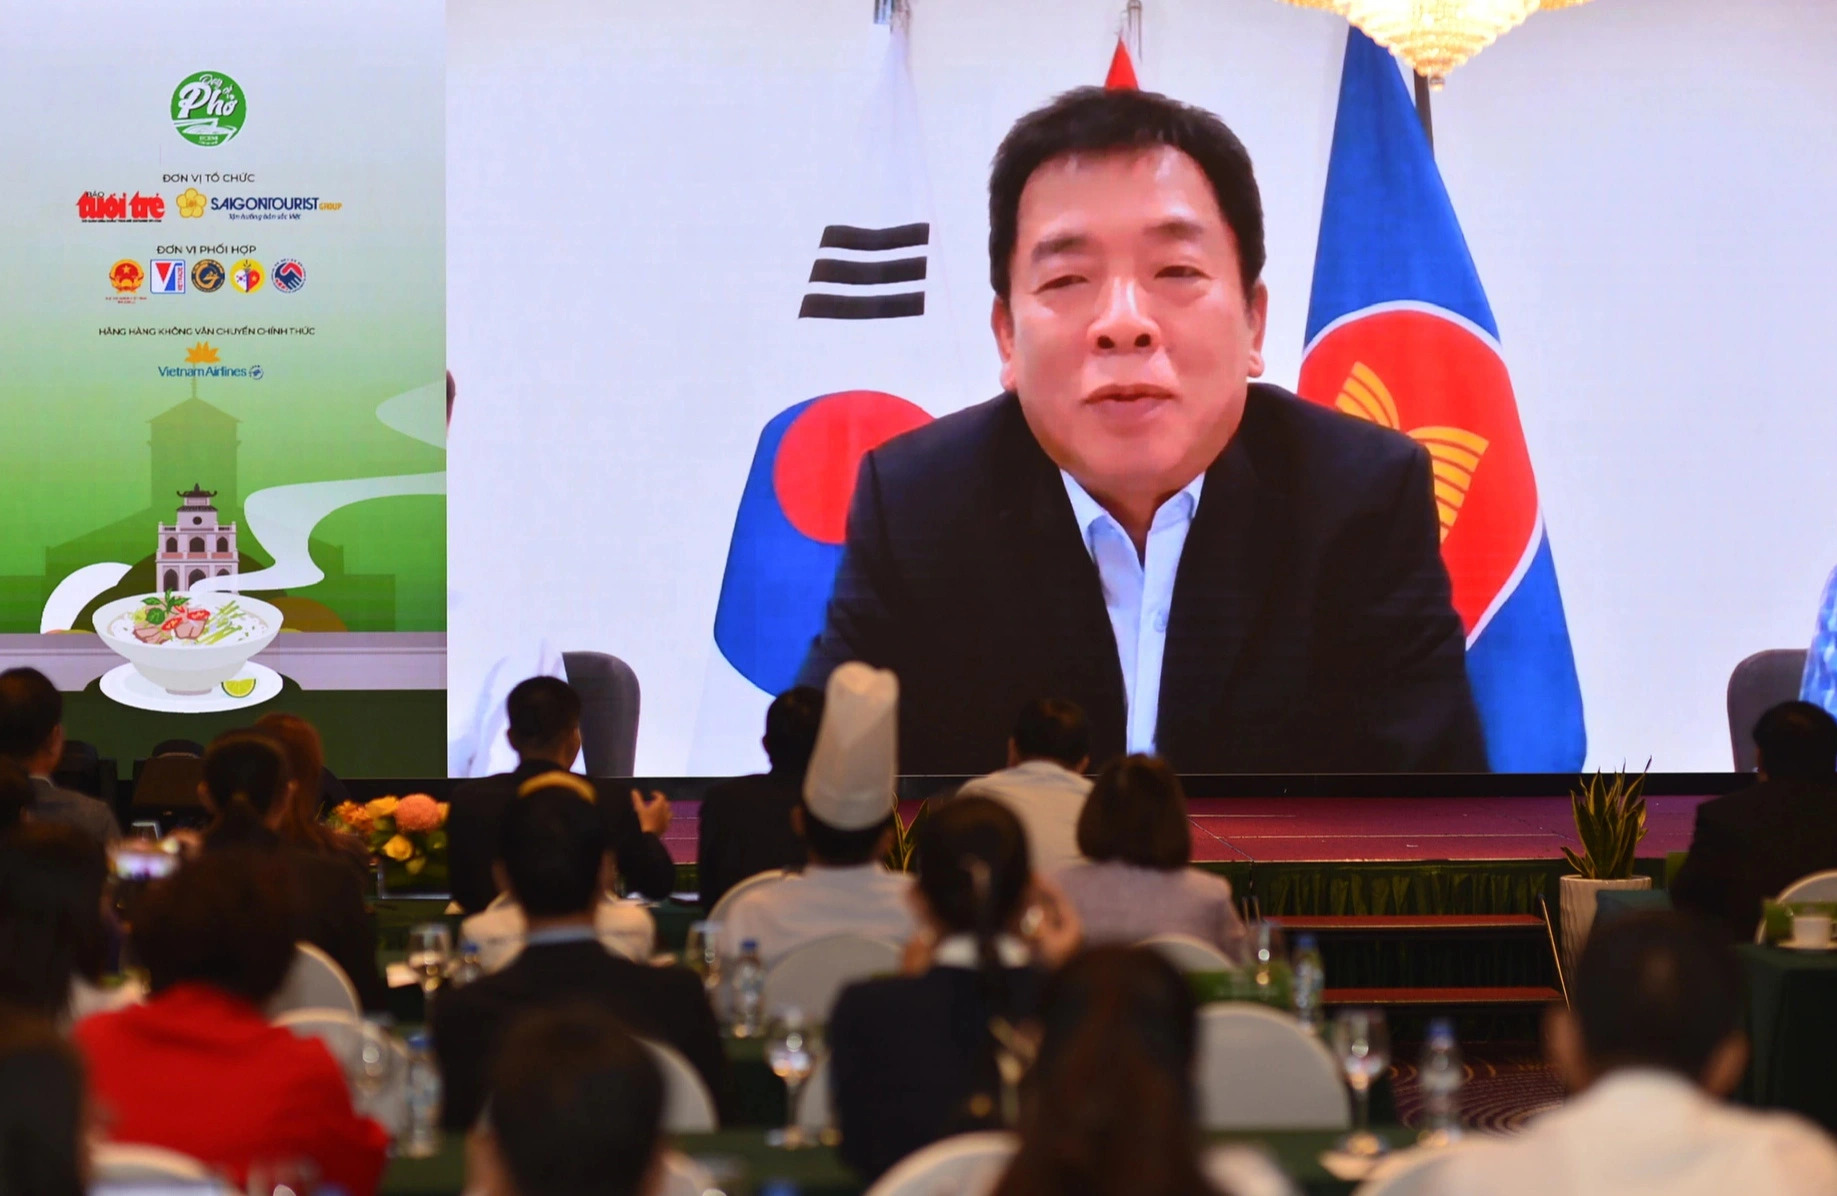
column 791, row 723
column 1052, row 729
column 1797, row 739
column 576, row 1104
column 839, row 848
column 30, row 710
column 552, row 843
column 1093, row 120
column 541, row 710
column 1657, row 989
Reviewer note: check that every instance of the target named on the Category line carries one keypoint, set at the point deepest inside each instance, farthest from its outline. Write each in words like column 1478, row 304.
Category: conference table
column 742, row 1164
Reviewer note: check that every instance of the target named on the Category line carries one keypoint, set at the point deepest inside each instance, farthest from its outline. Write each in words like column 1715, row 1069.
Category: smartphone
column 129, row 863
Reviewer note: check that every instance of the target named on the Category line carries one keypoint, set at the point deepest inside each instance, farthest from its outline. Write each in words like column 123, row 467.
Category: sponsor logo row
column 169, row 276
column 120, row 207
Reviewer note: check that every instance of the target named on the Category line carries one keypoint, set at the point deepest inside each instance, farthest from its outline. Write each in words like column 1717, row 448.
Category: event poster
column 224, row 390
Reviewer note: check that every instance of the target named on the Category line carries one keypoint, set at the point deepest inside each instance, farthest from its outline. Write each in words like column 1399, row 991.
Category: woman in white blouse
column 1137, row 880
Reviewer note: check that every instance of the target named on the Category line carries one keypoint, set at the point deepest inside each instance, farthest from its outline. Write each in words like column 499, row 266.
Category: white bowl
column 188, row 668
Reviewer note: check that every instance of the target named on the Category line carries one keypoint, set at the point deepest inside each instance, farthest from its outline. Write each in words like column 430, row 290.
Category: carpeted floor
column 1507, row 1085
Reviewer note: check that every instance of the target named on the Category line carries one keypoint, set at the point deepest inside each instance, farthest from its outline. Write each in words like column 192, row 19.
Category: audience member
column 624, row 927
column 846, row 820
column 1751, row 844
column 556, row 866
column 1107, row 1107
column 198, row 1068
column 44, row 1131
column 1138, row 881
column 576, row 1109
column 1044, row 782
column 1653, row 1045
column 918, row 1057
column 249, row 791
column 314, row 787
column 54, row 935
column 746, row 823
column 545, row 731
column 15, row 794
column 32, row 736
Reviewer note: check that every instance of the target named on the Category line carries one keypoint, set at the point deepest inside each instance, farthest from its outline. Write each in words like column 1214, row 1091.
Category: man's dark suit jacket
column 1311, row 629
column 663, row 1004
column 477, row 807
column 1753, row 843
column 745, row 828
column 906, row 1053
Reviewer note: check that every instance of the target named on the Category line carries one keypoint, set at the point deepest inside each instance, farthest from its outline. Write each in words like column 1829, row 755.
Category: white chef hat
column 849, row 784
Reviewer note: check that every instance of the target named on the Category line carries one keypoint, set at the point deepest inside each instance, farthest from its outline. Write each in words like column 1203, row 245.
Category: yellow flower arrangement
column 408, row 834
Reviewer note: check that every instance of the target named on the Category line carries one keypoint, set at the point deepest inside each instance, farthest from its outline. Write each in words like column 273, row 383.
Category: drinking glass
column 790, row 1047
column 371, row 1066
column 430, row 947
column 1361, row 1043
column 701, row 954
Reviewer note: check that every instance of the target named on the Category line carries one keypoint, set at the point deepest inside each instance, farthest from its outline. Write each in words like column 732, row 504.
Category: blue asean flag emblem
column 793, row 519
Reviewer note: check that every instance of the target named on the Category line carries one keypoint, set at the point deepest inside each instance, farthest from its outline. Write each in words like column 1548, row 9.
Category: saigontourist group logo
column 208, row 108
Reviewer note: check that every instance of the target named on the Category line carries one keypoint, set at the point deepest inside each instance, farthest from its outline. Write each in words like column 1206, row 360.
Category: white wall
column 633, row 200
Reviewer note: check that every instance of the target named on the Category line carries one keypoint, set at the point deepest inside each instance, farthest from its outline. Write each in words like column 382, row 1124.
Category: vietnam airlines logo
column 1440, row 379
column 1455, row 452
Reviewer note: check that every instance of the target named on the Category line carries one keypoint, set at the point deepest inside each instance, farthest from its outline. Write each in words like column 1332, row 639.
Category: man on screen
column 1213, row 569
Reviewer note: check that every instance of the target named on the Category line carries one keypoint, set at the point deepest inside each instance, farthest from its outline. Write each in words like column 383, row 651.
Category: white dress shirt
column 623, row 927
column 866, row 899
column 1138, row 593
column 1047, row 797
column 1637, row 1131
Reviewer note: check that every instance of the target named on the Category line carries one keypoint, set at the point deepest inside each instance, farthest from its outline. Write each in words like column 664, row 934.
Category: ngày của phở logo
column 208, row 108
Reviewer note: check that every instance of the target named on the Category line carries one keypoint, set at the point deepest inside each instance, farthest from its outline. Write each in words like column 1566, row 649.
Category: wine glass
column 790, row 1047
column 1361, row 1043
column 430, row 946
column 702, row 955
column 1268, row 959
column 372, row 1062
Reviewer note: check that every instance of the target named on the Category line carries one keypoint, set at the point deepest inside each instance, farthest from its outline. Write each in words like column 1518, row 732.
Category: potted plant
column 407, row 835
column 1610, row 820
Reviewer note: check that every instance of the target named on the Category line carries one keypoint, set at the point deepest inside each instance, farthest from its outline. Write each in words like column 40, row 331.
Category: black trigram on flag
column 882, row 279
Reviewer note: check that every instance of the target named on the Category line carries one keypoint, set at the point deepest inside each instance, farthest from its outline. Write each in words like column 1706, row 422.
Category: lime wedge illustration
column 239, row 687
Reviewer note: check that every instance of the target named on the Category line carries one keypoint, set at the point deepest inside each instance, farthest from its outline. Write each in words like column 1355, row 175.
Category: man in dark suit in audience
column 545, row 731
column 1751, row 844
column 32, row 736
column 1216, row 571
column 555, row 863
column 745, row 823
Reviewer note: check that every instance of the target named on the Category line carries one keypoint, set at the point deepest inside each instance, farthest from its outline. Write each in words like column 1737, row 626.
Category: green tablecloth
column 1792, row 1023
column 742, row 1160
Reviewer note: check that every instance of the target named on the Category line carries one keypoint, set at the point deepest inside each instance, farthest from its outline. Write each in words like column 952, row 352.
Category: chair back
column 1189, row 954
column 343, row 1035
column 683, row 1176
column 131, row 1163
column 753, row 883
column 958, row 1166
column 314, row 981
column 1415, row 1172
column 1757, row 685
column 1258, row 1069
column 809, row 978
column 688, row 1106
column 608, row 692
column 814, row 1113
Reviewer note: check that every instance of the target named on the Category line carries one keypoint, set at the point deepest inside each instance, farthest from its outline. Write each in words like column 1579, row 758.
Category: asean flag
column 1400, row 333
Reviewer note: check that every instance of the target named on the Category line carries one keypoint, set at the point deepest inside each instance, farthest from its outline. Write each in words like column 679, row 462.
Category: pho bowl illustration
column 187, row 645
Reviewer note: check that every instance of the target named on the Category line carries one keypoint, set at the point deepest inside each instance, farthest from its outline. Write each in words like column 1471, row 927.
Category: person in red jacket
column 198, row 1069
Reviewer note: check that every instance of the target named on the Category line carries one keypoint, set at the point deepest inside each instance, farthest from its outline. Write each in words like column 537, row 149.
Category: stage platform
column 1318, row 830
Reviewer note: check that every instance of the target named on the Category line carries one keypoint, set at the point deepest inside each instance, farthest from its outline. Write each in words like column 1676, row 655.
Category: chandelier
column 1435, row 36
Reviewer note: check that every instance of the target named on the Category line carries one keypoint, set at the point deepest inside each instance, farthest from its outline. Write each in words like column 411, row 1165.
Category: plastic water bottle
column 422, row 1139
column 468, row 967
column 749, row 991
column 1310, row 981
column 1441, row 1076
